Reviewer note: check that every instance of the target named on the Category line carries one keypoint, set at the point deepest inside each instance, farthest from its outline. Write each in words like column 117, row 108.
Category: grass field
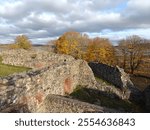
column 9, row 69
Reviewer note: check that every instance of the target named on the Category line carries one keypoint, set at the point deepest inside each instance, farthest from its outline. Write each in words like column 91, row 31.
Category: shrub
column 13, row 46
column 23, row 42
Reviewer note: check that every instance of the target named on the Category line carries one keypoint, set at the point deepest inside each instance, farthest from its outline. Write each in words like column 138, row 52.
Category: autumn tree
column 21, row 41
column 83, row 41
column 81, row 46
column 68, row 43
column 123, row 48
column 100, row 50
column 132, row 52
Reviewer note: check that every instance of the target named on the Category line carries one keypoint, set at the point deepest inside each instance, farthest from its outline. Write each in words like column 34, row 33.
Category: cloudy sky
column 42, row 20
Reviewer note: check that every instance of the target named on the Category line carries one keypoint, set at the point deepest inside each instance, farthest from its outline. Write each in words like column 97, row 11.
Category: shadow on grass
column 105, row 99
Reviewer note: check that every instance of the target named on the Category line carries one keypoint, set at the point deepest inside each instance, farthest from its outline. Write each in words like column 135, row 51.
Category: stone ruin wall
column 54, row 74
column 108, row 73
column 121, row 80
column 40, row 59
column 35, row 59
column 59, row 104
column 31, row 88
column 59, row 78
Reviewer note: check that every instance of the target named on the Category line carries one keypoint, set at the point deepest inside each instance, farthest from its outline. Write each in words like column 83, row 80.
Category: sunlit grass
column 10, row 69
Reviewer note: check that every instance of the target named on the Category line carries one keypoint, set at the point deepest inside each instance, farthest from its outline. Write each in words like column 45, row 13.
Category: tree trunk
column 132, row 70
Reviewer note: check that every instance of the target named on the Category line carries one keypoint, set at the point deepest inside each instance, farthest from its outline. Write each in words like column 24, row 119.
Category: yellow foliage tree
column 21, row 41
column 100, row 50
column 80, row 46
column 68, row 44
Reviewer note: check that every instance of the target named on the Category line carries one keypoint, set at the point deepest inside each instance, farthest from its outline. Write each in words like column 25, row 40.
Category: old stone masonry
column 53, row 76
column 50, row 74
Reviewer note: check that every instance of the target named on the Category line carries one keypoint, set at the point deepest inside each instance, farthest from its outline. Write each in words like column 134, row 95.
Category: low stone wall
column 33, row 58
column 117, row 77
column 59, row 104
column 108, row 73
column 111, row 89
column 32, row 87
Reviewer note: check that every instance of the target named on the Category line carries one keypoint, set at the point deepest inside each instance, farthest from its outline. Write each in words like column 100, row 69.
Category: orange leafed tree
column 81, row 46
column 100, row 50
column 68, row 44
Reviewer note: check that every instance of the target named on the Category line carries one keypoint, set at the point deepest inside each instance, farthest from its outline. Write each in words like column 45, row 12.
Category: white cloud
column 141, row 5
column 12, row 10
column 44, row 19
column 137, row 13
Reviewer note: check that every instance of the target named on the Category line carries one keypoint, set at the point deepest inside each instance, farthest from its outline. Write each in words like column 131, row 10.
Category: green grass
column 6, row 70
column 101, row 81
